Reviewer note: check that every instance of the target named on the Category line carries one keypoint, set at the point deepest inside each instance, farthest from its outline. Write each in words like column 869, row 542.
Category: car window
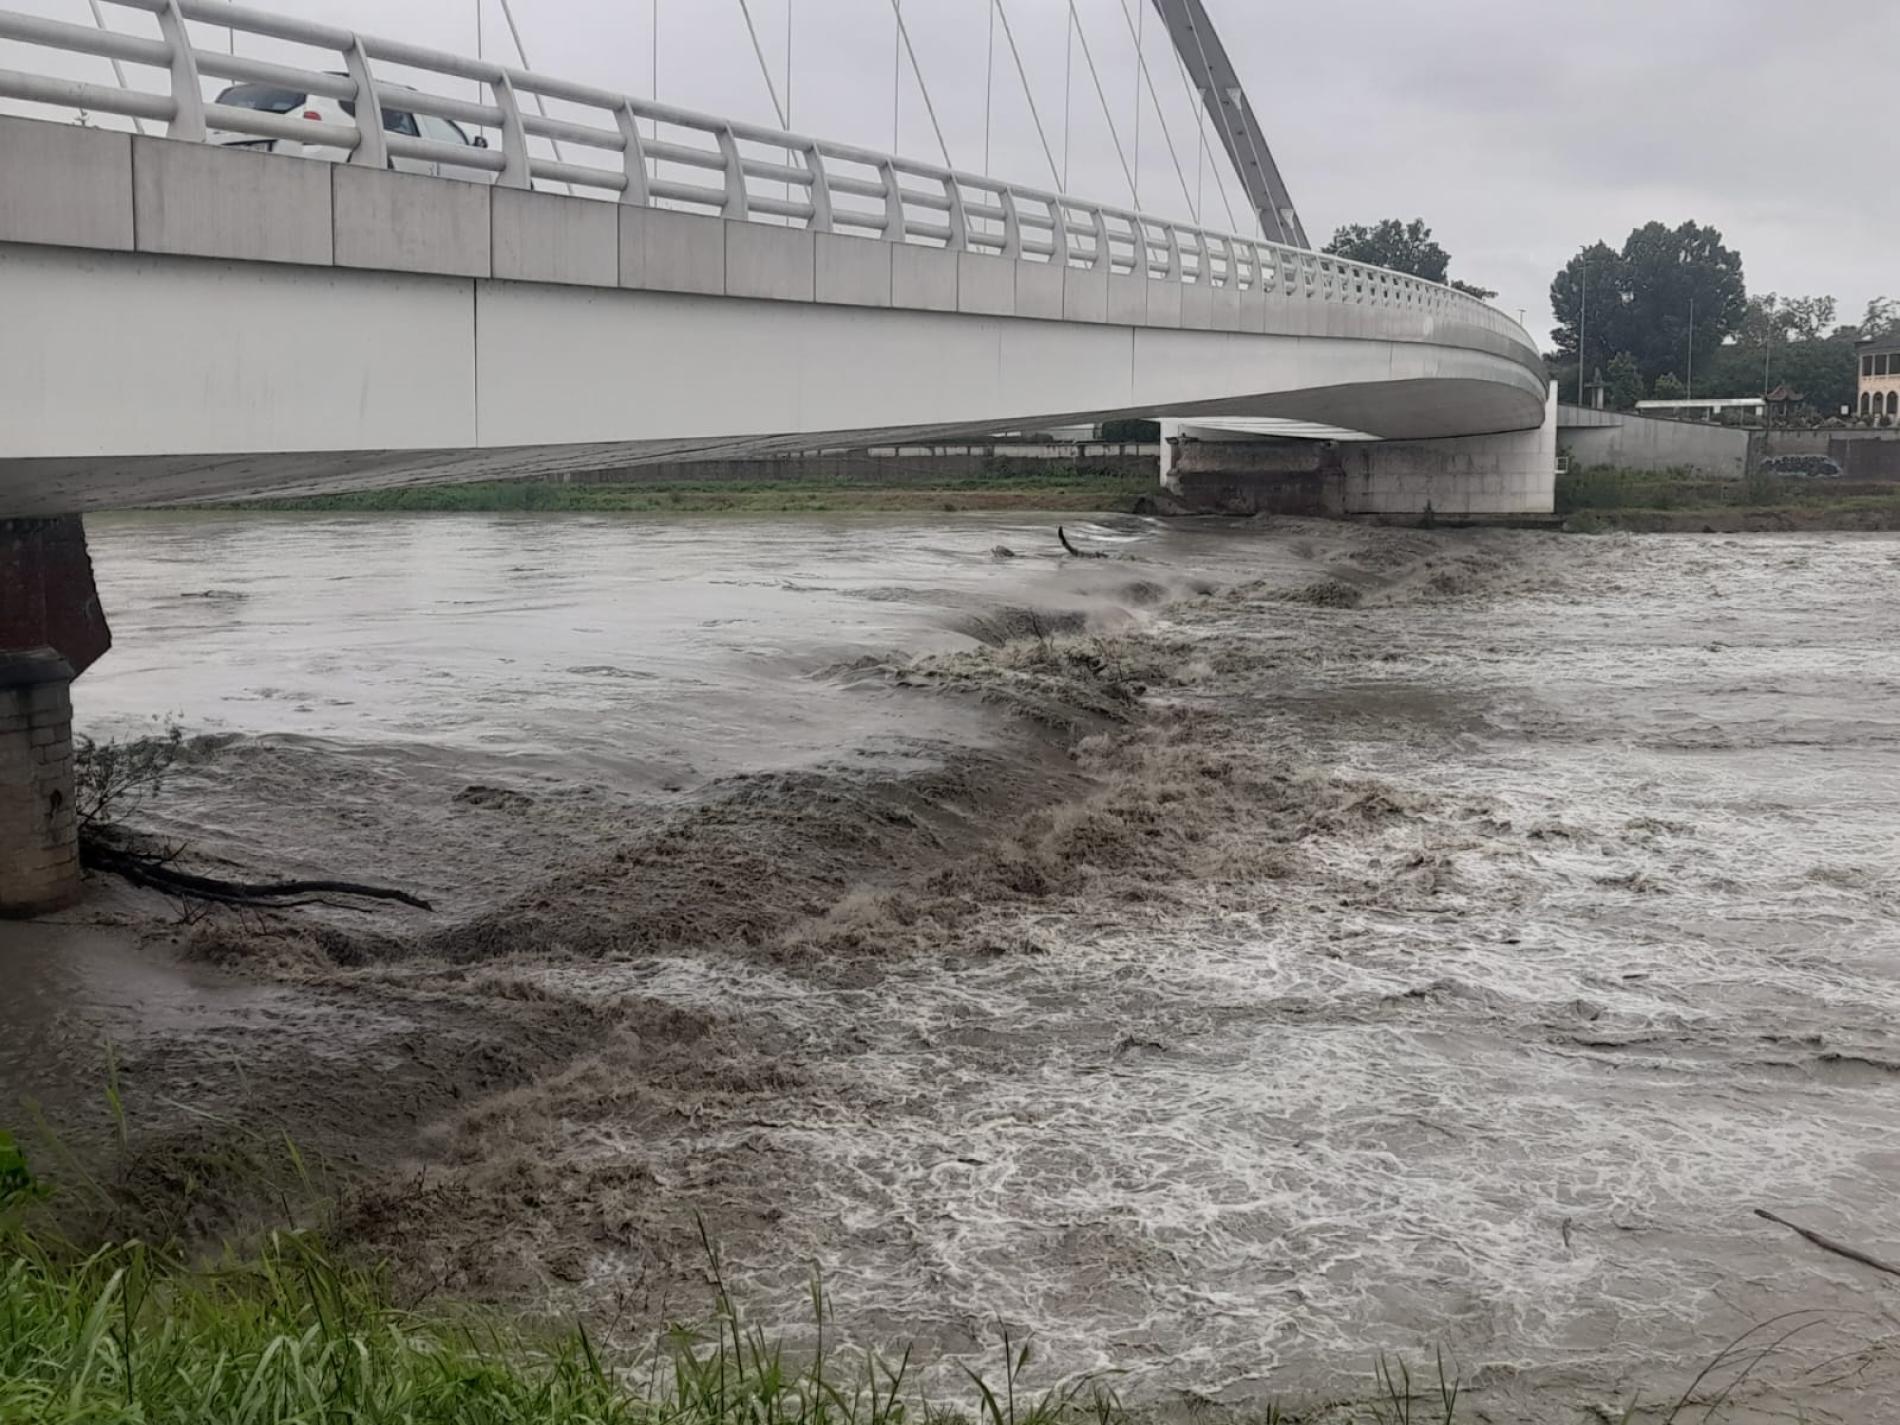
column 266, row 98
column 394, row 120
column 441, row 130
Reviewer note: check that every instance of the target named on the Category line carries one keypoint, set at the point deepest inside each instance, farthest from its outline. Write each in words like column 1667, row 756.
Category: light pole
column 1583, row 325
column 1691, row 379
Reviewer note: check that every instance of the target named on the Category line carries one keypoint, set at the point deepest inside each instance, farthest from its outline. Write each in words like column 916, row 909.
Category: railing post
column 633, row 158
column 820, row 221
column 959, row 220
column 1232, row 276
column 1102, row 262
column 1058, row 234
column 1012, row 224
column 1174, row 252
column 188, row 100
column 737, row 208
column 893, row 202
column 514, row 138
column 371, row 150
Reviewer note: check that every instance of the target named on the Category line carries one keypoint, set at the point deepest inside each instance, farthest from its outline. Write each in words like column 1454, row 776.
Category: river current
column 1448, row 943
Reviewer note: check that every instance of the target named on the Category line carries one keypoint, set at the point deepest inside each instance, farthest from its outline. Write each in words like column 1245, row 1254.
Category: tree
column 1882, row 318
column 1591, row 279
column 1668, row 387
column 1640, row 299
column 1626, row 382
column 1769, row 319
column 1789, row 341
column 1402, row 247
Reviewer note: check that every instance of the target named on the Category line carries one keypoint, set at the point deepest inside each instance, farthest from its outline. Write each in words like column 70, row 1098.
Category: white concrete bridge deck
column 191, row 322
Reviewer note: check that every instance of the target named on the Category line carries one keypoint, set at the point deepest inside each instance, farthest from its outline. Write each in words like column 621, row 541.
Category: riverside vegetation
column 1598, row 498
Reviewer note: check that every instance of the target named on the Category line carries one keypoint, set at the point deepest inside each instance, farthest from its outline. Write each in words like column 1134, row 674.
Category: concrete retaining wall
column 1855, row 454
column 1631, row 442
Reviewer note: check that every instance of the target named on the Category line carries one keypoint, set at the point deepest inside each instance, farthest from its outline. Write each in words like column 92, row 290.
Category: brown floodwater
column 1539, row 925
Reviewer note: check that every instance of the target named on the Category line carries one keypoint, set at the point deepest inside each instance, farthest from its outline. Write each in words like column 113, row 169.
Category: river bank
column 1282, row 944
column 1054, row 490
column 1596, row 499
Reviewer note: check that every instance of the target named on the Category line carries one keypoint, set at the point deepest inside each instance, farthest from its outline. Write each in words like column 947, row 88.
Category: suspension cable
column 1068, row 75
column 1141, row 68
column 1205, row 150
column 1141, row 65
column 1009, row 34
column 118, row 70
column 540, row 104
column 788, row 92
column 1233, row 146
column 782, row 110
column 989, row 85
column 1082, row 34
column 771, row 88
column 903, row 34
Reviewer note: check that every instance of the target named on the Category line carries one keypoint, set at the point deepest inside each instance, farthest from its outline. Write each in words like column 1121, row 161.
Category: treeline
column 1669, row 315
column 1666, row 315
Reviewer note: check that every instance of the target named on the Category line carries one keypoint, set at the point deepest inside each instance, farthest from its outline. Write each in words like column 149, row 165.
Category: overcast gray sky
column 1519, row 129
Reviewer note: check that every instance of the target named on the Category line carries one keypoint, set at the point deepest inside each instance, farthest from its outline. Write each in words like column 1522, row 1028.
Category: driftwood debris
column 1828, row 1244
column 157, row 873
column 1063, row 535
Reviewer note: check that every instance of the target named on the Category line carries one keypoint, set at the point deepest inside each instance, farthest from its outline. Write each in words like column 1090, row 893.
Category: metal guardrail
column 959, row 211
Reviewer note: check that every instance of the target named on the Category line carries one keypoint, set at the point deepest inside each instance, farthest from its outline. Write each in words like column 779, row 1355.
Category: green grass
column 129, row 1334
column 1054, row 490
column 1603, row 488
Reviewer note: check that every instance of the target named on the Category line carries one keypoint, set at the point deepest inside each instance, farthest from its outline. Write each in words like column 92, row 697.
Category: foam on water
column 1505, row 1072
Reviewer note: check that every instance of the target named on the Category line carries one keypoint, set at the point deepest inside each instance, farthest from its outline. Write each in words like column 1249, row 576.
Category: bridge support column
column 1170, row 450
column 51, row 629
column 1210, row 467
column 1510, row 474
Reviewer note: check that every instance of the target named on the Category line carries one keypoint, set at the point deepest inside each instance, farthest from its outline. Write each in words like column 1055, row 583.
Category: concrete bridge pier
column 51, row 629
column 1222, row 464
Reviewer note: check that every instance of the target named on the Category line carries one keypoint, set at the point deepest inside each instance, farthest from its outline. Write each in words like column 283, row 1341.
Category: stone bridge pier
column 51, row 630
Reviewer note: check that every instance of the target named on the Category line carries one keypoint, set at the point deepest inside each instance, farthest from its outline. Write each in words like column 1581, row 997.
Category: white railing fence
column 648, row 153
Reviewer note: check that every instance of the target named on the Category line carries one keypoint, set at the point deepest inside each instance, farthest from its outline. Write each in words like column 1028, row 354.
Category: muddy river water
column 1268, row 946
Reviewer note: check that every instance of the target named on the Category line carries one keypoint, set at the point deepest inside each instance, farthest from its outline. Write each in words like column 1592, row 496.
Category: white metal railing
column 827, row 187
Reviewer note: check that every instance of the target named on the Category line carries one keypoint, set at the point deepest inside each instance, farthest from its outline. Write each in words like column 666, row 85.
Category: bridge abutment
column 51, row 630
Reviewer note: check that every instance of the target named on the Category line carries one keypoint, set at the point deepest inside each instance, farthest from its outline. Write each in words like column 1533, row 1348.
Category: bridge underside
column 44, row 486
column 149, row 380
